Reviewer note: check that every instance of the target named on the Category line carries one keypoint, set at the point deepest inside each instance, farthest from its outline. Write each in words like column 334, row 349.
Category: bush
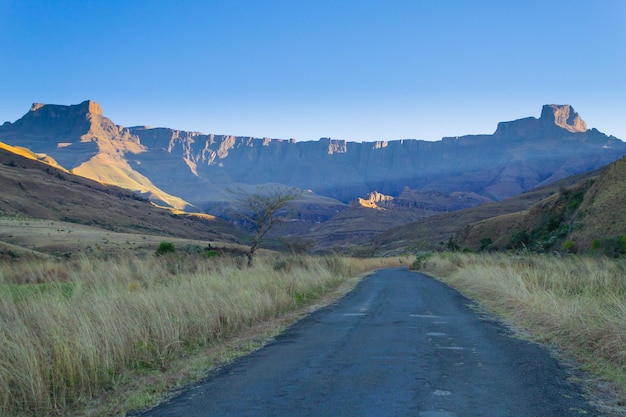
column 420, row 259
column 596, row 244
column 164, row 248
column 298, row 245
column 485, row 243
column 569, row 246
column 614, row 246
column 519, row 240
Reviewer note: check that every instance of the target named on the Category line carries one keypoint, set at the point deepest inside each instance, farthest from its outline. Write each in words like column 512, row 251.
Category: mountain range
column 353, row 190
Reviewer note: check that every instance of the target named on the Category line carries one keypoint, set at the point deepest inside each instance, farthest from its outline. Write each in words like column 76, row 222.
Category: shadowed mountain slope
column 85, row 142
column 586, row 216
column 366, row 218
column 498, row 220
column 36, row 190
column 519, row 156
column 581, row 214
column 602, row 213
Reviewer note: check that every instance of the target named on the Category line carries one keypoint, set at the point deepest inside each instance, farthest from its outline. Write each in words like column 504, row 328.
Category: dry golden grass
column 576, row 303
column 602, row 211
column 73, row 330
column 21, row 235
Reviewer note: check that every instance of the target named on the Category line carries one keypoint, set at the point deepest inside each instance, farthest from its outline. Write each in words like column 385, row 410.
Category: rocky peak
column 552, row 116
column 58, row 120
column 563, row 116
column 36, row 106
column 70, row 134
column 92, row 107
column 84, row 108
column 375, row 200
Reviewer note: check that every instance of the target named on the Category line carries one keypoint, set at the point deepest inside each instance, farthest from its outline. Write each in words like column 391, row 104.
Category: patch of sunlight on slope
column 192, row 214
column 105, row 169
column 27, row 153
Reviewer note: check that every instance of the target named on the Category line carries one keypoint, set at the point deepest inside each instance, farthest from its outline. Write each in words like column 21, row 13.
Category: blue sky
column 356, row 70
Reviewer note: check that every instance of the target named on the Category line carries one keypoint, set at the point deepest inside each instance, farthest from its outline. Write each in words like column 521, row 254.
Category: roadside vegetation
column 75, row 331
column 577, row 303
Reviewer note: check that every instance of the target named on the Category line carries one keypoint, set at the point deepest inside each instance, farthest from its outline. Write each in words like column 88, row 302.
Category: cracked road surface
column 400, row 344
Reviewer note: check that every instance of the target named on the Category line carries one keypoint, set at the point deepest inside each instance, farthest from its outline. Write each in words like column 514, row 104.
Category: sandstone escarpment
column 375, row 200
column 198, row 167
column 564, row 117
column 82, row 140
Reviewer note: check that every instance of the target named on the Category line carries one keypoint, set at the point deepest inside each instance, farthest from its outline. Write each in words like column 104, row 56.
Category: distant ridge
column 192, row 169
column 520, row 155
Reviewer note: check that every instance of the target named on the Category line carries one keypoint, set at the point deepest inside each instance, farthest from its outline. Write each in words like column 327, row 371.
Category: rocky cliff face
column 69, row 134
column 197, row 167
column 556, row 121
column 82, row 140
column 563, row 116
column 520, row 155
column 376, row 200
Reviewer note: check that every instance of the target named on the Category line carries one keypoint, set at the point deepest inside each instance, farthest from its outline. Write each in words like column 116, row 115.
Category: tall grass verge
column 70, row 330
column 576, row 303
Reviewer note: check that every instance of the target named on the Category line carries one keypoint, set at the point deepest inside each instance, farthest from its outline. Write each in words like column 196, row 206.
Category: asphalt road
column 400, row 344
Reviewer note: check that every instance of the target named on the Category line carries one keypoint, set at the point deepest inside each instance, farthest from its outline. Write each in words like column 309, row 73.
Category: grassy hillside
column 587, row 216
column 28, row 154
column 436, row 231
column 46, row 208
column 542, row 227
column 602, row 213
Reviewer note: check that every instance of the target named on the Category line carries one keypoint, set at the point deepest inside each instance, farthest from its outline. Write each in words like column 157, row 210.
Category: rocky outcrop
column 375, row 200
column 556, row 120
column 564, row 117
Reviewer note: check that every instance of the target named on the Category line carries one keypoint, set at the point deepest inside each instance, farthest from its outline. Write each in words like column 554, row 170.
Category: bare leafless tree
column 262, row 209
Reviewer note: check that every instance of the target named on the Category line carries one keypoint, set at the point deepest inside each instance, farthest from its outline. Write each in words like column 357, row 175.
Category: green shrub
column 289, row 264
column 614, row 246
column 485, row 243
column 452, row 245
column 519, row 240
column 420, row 259
column 164, row 248
column 569, row 246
